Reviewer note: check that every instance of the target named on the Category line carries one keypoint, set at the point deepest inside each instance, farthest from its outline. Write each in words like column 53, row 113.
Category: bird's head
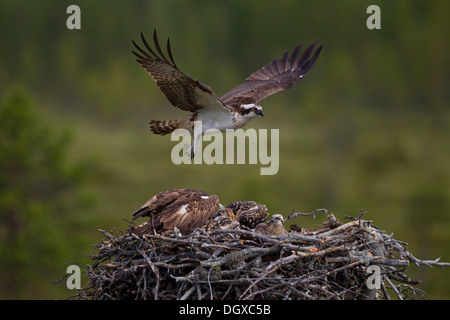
column 251, row 110
column 277, row 219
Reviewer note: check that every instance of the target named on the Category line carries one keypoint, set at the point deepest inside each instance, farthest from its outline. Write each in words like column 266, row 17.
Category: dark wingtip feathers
column 296, row 51
column 169, row 51
column 306, row 66
column 151, row 54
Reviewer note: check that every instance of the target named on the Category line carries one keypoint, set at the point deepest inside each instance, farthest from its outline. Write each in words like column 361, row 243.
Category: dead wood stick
column 338, row 229
column 295, row 214
column 154, row 269
column 270, row 239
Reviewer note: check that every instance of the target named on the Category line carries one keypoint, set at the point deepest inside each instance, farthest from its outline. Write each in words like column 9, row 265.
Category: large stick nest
column 328, row 263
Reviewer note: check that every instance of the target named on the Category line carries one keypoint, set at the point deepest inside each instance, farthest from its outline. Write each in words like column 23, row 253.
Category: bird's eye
column 253, row 109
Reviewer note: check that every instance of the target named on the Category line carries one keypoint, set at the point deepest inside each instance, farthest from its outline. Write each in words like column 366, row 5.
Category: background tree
column 38, row 190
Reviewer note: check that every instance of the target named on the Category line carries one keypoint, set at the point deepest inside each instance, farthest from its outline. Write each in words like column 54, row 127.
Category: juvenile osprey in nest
column 185, row 209
column 224, row 219
column 273, row 227
column 234, row 109
column 237, row 214
column 249, row 213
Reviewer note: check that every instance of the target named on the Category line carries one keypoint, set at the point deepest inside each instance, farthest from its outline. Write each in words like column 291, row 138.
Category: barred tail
column 163, row 127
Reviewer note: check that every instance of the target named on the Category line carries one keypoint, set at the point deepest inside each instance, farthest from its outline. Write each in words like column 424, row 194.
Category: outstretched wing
column 181, row 90
column 280, row 74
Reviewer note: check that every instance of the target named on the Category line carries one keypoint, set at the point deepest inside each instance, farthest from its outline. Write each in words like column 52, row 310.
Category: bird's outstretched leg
column 189, row 150
column 192, row 151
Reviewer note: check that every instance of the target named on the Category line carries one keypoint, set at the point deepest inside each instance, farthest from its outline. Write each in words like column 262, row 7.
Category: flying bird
column 184, row 209
column 232, row 110
column 249, row 213
column 273, row 227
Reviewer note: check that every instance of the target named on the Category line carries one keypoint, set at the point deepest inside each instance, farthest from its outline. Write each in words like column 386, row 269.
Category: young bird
column 273, row 227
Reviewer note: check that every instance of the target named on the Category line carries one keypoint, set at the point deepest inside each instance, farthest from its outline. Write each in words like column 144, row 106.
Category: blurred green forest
column 368, row 128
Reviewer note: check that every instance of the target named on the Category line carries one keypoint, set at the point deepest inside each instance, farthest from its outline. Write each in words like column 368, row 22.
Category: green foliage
column 38, row 189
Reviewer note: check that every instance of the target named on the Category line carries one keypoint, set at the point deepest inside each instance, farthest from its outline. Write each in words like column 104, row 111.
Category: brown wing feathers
column 179, row 88
column 280, row 74
column 185, row 92
column 288, row 68
column 185, row 209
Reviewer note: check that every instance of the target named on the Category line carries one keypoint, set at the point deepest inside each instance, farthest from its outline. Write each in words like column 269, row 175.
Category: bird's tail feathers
column 163, row 127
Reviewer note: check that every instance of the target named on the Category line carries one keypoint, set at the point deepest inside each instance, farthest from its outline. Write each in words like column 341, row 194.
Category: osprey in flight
column 234, row 109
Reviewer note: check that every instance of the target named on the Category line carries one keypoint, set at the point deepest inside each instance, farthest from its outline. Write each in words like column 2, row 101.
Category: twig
column 295, row 214
column 327, row 263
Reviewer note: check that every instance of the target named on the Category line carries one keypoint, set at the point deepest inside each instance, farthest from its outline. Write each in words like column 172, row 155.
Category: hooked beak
column 260, row 113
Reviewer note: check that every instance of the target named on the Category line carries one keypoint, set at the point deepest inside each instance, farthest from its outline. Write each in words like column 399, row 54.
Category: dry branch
column 328, row 263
